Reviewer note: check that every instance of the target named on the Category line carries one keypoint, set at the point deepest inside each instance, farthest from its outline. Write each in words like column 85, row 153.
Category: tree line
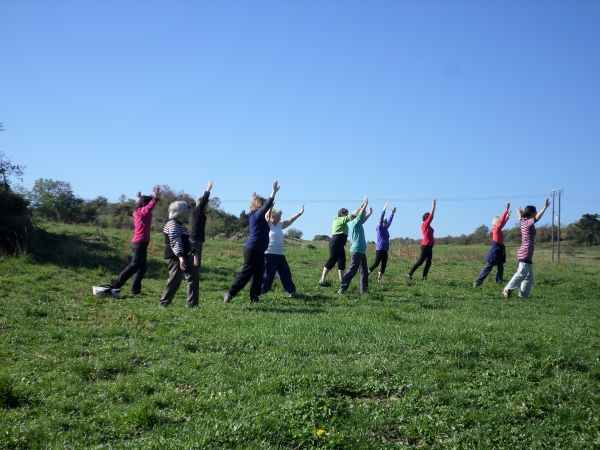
column 55, row 200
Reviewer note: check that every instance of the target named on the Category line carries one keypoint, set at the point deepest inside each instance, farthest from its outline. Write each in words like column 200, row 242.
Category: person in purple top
column 254, row 250
column 383, row 243
column 524, row 276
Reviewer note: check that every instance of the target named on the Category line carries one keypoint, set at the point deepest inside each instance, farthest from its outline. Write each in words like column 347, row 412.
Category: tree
column 55, row 200
column 587, row 229
column 8, row 169
column 294, row 234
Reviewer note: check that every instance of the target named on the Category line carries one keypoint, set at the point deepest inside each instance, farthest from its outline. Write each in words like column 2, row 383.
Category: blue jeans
column 487, row 270
column 277, row 264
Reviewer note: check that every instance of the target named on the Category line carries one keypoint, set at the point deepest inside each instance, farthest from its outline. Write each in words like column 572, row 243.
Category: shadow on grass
column 71, row 251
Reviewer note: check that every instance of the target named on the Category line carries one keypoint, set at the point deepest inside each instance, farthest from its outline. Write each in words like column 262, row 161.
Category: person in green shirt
column 339, row 236
column 358, row 251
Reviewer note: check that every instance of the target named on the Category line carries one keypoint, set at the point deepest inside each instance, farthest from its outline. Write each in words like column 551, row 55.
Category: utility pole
column 553, row 193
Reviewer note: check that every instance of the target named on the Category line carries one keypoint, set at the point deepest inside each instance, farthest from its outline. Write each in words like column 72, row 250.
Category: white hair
column 276, row 212
column 176, row 209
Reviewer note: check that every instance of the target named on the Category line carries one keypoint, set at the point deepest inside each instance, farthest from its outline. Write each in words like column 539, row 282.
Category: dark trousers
column 358, row 263
column 277, row 264
column 487, row 270
column 136, row 268
column 426, row 257
column 175, row 276
column 252, row 270
column 198, row 246
column 337, row 252
column 381, row 256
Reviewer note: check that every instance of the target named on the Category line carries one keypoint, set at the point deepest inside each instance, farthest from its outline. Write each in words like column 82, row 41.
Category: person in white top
column 275, row 261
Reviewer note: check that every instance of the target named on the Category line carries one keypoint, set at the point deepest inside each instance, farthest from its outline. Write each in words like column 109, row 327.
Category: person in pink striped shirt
column 524, row 276
column 142, row 217
column 497, row 254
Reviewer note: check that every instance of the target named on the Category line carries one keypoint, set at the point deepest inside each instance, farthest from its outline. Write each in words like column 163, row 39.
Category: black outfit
column 426, row 257
column 136, row 268
column 198, row 224
column 381, row 256
column 337, row 252
column 253, row 269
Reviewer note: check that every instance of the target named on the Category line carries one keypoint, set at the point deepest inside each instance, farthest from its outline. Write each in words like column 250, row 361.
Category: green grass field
column 433, row 364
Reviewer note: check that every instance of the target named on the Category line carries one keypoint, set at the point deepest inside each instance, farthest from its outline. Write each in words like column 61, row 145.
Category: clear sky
column 473, row 103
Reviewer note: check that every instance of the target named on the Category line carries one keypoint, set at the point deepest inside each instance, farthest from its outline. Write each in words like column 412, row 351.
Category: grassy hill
column 433, row 364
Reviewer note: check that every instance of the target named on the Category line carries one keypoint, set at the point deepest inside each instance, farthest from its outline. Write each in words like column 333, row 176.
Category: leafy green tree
column 8, row 169
column 55, row 200
column 587, row 229
column 294, row 233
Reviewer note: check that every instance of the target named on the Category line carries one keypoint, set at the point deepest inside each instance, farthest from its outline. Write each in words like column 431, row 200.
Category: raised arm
column 367, row 215
column 433, row 203
column 505, row 216
column 291, row 220
column 275, row 189
column 363, row 206
column 541, row 213
column 391, row 216
column 204, row 200
column 519, row 213
column 382, row 215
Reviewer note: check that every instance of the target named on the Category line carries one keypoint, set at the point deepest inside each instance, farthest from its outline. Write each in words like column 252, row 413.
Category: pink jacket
column 143, row 219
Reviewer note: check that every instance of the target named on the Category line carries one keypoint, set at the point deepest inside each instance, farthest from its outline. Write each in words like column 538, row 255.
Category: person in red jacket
column 497, row 254
column 426, row 245
column 142, row 217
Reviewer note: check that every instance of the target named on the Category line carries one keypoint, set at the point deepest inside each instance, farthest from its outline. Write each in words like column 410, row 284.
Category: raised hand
column 157, row 191
column 547, row 202
column 394, row 210
column 385, row 206
column 507, row 206
column 139, row 194
column 254, row 195
column 366, row 202
column 302, row 210
column 275, row 186
column 433, row 202
column 370, row 210
column 210, row 185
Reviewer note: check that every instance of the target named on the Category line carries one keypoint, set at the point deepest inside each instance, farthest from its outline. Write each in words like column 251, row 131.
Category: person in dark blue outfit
column 497, row 254
column 254, row 250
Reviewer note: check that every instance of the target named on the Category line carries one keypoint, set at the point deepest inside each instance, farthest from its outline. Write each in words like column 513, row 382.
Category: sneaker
column 424, row 278
column 408, row 277
column 227, row 297
column 254, row 299
column 505, row 293
column 341, row 290
column 294, row 295
column 476, row 284
column 322, row 281
column 521, row 295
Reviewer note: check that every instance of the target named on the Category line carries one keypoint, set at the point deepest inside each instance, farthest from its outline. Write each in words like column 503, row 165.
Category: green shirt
column 340, row 225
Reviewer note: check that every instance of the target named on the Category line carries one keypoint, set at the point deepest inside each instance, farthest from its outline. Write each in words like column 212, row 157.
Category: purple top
column 383, row 235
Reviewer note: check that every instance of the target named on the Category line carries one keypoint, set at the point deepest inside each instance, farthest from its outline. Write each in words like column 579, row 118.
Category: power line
column 397, row 200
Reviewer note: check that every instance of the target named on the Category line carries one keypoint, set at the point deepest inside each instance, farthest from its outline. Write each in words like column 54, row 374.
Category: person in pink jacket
column 142, row 217
column 426, row 245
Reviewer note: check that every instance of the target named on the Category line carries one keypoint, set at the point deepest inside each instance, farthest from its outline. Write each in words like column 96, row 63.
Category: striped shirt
column 177, row 240
column 528, row 232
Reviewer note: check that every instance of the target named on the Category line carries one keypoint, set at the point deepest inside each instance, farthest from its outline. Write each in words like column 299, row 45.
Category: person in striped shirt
column 180, row 257
column 497, row 254
column 524, row 275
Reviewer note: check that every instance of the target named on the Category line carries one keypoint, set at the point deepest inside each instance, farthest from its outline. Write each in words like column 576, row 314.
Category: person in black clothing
column 198, row 223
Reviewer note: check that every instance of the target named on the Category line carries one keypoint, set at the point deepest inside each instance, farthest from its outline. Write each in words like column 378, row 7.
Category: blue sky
column 473, row 103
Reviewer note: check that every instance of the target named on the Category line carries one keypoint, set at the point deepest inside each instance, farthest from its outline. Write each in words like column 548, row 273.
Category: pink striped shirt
column 528, row 232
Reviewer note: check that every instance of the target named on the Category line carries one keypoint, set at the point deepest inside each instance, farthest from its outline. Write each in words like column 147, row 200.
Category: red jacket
column 497, row 234
column 427, row 231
